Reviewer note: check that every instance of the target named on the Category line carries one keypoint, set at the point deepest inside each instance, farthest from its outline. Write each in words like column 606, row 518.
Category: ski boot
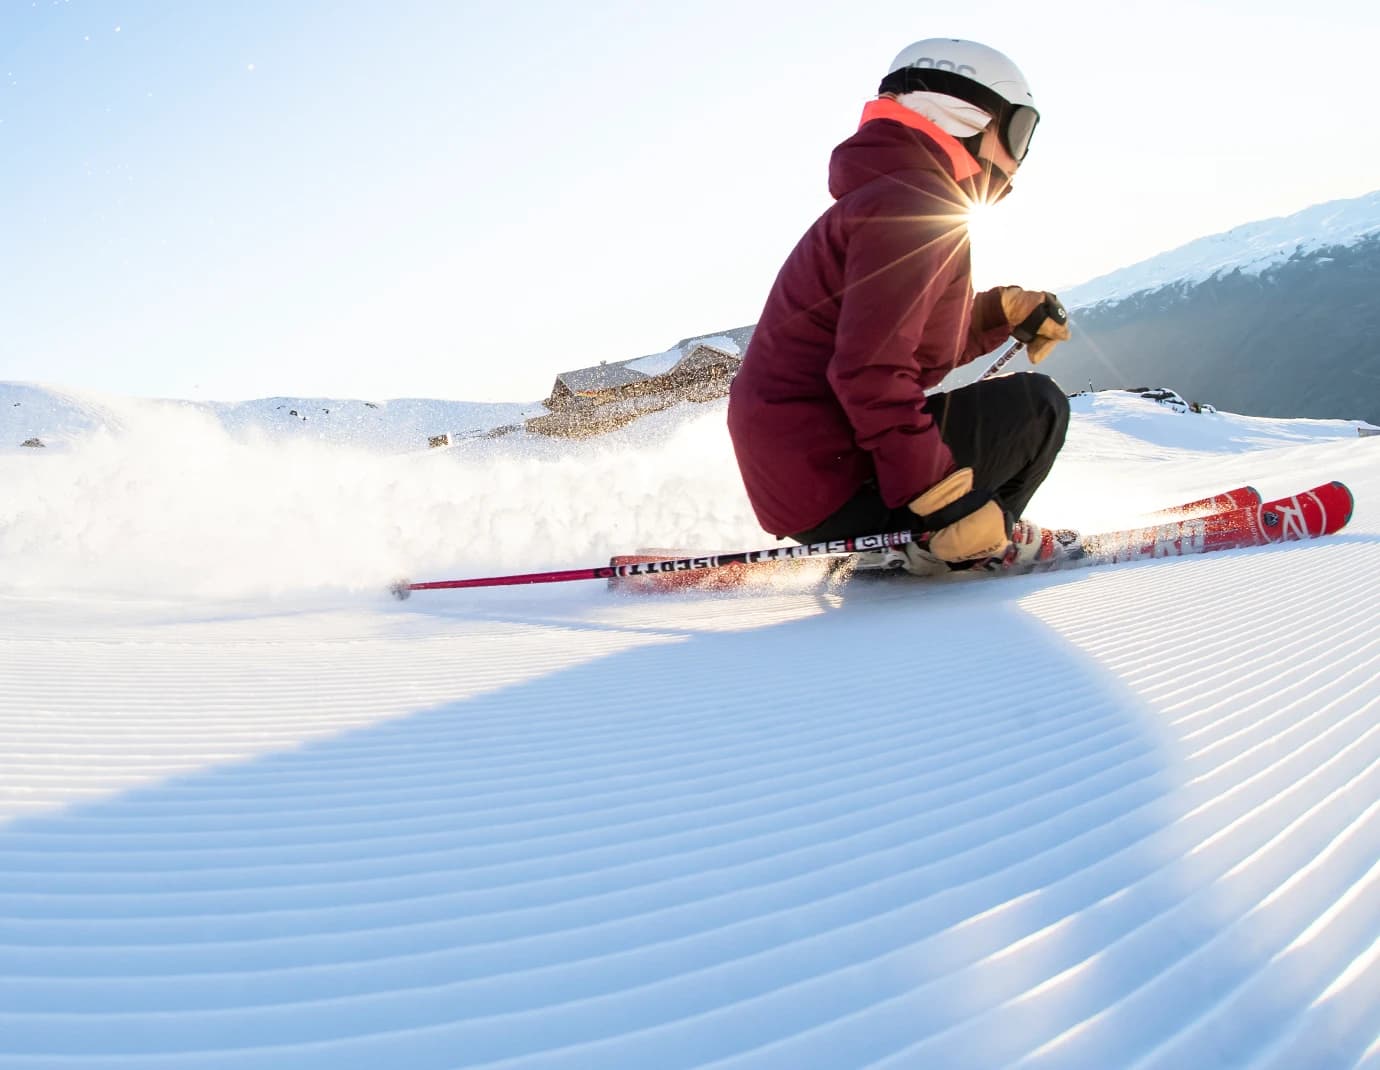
column 1034, row 549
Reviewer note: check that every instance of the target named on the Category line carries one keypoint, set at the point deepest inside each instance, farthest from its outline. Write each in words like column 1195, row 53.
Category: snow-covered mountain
column 1251, row 249
column 1276, row 318
column 255, row 814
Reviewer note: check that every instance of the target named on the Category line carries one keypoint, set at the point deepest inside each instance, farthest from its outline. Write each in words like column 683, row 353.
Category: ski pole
column 1003, row 359
column 1025, row 331
column 403, row 588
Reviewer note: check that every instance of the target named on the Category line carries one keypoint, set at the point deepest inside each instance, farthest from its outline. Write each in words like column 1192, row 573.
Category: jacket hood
column 893, row 140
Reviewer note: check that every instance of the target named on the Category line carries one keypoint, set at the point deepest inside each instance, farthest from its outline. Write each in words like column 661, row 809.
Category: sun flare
column 979, row 221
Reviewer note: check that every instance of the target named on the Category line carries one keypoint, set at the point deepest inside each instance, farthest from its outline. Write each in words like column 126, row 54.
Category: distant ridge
column 57, row 416
column 1278, row 318
column 1251, row 248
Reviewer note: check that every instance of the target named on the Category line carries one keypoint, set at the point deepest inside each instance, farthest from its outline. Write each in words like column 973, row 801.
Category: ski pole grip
column 1049, row 309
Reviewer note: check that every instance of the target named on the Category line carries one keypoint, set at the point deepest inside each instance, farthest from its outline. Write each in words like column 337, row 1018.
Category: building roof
column 739, row 336
column 613, row 375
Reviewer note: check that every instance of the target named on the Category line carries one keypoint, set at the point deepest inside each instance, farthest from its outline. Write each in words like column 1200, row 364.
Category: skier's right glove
column 966, row 524
column 1038, row 318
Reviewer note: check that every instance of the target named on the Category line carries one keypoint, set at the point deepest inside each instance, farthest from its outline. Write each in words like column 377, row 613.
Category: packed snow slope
column 254, row 814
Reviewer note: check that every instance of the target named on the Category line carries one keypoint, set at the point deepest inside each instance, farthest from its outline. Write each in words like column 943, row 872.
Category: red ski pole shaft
column 402, row 589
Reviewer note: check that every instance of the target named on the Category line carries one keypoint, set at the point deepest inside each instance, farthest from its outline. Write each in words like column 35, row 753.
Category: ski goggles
column 1015, row 122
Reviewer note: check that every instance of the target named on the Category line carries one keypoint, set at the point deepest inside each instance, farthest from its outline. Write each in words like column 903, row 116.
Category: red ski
column 1230, row 520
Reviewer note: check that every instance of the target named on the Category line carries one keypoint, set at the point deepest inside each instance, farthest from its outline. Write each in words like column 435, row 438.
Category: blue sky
column 461, row 199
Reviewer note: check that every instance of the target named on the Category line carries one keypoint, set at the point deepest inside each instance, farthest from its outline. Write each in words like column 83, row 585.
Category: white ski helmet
column 973, row 74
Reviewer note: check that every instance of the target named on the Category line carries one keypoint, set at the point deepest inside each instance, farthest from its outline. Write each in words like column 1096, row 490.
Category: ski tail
column 732, row 576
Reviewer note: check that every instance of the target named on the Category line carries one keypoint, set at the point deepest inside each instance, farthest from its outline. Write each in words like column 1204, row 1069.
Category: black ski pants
column 1008, row 430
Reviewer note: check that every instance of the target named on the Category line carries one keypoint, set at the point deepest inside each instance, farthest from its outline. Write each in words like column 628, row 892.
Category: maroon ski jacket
column 873, row 306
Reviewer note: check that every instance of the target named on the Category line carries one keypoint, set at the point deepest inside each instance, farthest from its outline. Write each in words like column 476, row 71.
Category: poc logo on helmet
column 946, row 65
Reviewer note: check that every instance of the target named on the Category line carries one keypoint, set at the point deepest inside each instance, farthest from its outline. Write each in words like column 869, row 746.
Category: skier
column 832, row 429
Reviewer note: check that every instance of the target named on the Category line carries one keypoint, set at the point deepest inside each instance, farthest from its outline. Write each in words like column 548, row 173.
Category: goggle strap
column 953, row 84
column 930, row 80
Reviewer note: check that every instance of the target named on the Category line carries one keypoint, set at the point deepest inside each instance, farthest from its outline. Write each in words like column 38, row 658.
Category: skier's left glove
column 966, row 524
column 1038, row 318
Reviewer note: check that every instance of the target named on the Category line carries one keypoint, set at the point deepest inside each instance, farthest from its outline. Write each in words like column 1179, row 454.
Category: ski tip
column 1350, row 500
column 401, row 590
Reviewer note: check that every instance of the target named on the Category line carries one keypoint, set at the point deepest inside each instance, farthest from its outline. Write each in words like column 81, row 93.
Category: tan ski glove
column 966, row 524
column 1019, row 305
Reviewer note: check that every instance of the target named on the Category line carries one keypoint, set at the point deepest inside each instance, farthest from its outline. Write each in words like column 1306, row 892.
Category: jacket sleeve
column 988, row 329
column 896, row 268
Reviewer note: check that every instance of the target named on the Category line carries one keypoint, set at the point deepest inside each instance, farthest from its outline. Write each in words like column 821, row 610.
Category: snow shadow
column 875, row 836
